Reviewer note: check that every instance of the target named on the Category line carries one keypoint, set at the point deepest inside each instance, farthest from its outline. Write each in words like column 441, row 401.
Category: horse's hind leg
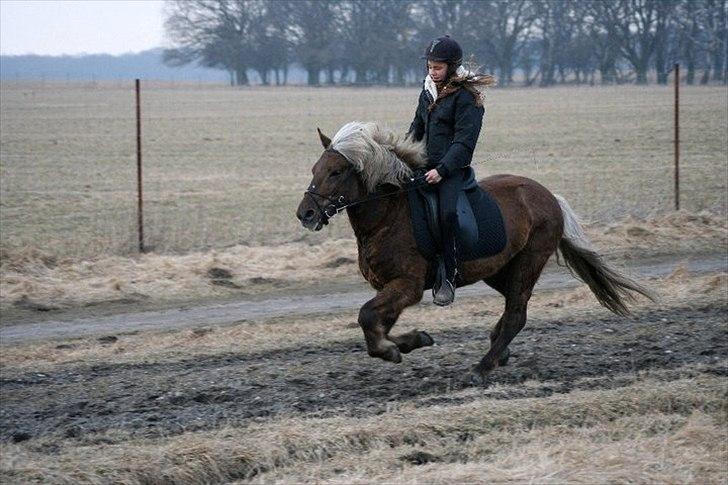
column 516, row 283
column 499, row 283
column 506, row 353
column 379, row 314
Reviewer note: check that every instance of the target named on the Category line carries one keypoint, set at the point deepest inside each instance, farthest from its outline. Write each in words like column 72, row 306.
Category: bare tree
column 602, row 24
column 720, row 51
column 550, row 18
column 435, row 18
column 374, row 32
column 689, row 30
column 380, row 41
column 503, row 28
column 270, row 41
column 316, row 28
column 638, row 34
column 363, row 21
column 558, row 23
column 213, row 33
column 580, row 55
column 713, row 37
column 407, row 51
column 665, row 27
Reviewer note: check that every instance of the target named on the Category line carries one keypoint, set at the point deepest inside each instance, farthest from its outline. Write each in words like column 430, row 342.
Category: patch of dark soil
column 226, row 283
column 215, row 273
column 19, row 436
column 340, row 261
column 202, row 331
column 419, row 458
column 169, row 397
column 27, row 304
column 222, row 277
column 127, row 300
column 66, row 346
column 259, row 280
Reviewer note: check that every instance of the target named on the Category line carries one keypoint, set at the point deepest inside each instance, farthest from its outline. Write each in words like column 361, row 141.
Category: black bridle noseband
column 337, row 204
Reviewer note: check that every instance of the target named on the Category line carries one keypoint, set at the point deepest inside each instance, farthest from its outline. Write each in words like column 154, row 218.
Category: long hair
column 459, row 77
column 379, row 155
column 468, row 78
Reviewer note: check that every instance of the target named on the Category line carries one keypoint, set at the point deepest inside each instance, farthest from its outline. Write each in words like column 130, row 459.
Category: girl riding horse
column 363, row 171
column 448, row 118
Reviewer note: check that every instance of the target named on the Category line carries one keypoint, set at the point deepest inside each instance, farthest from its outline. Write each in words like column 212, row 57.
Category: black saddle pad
column 491, row 232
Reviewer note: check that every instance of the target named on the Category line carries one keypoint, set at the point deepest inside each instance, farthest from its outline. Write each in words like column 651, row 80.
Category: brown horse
column 362, row 171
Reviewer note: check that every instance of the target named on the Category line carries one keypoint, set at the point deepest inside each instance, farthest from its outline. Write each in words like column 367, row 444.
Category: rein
column 338, row 204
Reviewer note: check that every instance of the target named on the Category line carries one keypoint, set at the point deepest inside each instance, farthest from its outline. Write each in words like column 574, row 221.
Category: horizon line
column 82, row 54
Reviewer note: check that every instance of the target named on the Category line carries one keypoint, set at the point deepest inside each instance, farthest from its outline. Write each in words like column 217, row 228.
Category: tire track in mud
column 163, row 398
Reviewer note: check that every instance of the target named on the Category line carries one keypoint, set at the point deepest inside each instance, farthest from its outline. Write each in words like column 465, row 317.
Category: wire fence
column 227, row 166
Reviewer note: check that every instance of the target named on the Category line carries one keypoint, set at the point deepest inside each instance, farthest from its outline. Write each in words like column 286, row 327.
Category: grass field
column 227, row 166
column 587, row 398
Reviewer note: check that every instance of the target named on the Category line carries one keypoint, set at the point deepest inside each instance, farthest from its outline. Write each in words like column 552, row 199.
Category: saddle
column 481, row 229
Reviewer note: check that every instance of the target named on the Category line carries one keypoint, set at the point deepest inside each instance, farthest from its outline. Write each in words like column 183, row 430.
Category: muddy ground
column 82, row 402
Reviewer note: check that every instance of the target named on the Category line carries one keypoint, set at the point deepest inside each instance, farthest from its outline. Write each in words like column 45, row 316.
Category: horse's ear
column 325, row 140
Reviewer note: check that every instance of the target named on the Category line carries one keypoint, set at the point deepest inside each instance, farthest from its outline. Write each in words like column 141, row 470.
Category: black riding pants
column 448, row 190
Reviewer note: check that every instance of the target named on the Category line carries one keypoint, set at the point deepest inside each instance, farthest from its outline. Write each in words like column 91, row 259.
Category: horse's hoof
column 475, row 379
column 425, row 339
column 392, row 354
column 504, row 356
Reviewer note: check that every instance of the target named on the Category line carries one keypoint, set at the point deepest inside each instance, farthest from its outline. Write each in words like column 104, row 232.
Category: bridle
column 335, row 204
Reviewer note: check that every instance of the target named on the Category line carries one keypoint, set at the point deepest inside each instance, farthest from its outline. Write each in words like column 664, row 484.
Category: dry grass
column 678, row 289
column 34, row 276
column 666, row 426
column 227, row 166
column 627, row 450
column 649, row 431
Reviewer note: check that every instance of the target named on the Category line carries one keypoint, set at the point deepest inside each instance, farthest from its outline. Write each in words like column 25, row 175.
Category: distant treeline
column 146, row 65
column 381, row 41
column 102, row 67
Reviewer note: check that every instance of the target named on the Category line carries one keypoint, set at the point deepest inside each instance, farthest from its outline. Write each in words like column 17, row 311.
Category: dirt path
column 86, row 402
column 221, row 313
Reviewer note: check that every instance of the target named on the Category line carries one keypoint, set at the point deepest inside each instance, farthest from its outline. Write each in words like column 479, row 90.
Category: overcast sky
column 55, row 27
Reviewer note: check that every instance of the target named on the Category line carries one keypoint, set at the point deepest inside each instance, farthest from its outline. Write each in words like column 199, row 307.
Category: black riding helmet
column 444, row 49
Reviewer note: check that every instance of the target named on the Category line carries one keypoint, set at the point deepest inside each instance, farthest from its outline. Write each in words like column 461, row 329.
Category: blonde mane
column 378, row 154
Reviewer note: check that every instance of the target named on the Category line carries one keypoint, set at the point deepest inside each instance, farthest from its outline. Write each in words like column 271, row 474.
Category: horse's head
column 335, row 182
column 361, row 159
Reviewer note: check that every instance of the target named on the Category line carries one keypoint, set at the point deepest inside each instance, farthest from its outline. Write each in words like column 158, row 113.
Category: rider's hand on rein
column 433, row 177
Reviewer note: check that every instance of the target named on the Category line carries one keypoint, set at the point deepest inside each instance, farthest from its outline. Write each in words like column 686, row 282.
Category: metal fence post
column 140, row 217
column 677, row 136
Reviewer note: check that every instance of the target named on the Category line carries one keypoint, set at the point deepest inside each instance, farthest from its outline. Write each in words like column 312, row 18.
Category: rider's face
column 437, row 70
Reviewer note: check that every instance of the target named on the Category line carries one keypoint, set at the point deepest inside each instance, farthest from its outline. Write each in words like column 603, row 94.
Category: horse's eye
column 335, row 173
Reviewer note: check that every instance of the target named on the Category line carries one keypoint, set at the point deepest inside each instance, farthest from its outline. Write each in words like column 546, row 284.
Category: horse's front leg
column 410, row 341
column 379, row 314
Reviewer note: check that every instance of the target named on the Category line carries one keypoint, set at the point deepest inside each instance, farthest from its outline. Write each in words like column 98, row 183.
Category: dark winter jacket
column 450, row 130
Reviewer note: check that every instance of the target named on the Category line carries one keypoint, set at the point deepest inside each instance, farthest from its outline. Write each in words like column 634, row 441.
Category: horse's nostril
column 306, row 216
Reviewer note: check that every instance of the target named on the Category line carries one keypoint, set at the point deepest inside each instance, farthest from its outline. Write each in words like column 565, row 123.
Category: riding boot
column 445, row 294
